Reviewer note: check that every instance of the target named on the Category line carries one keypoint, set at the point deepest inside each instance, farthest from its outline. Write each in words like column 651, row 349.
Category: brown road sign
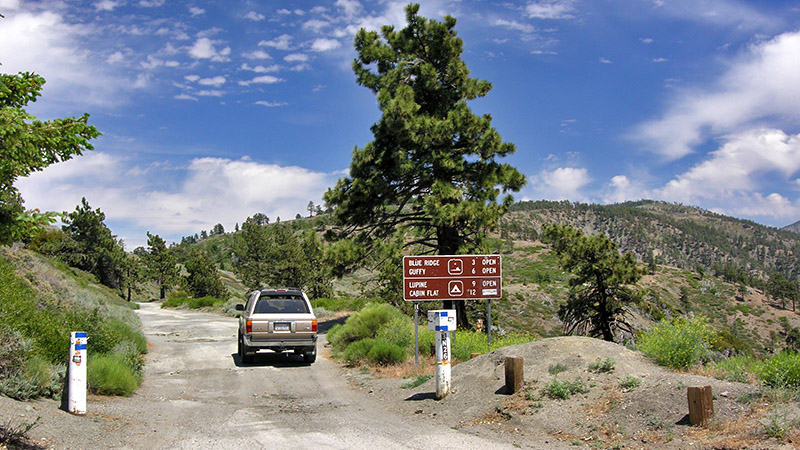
column 456, row 277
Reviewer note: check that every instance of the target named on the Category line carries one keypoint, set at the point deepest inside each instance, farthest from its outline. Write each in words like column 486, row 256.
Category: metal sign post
column 442, row 321
column 77, row 372
column 416, row 333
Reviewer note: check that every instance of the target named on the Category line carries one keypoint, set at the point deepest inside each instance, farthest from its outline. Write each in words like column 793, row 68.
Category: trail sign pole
column 416, row 333
column 442, row 321
column 489, row 322
column 76, row 389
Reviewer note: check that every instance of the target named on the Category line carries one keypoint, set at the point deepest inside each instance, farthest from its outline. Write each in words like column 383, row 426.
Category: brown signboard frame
column 452, row 277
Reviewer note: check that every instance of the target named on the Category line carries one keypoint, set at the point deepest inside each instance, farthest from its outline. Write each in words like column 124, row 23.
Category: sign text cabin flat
column 456, row 277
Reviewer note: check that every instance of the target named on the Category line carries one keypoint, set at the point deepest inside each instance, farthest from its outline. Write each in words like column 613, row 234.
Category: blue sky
column 212, row 111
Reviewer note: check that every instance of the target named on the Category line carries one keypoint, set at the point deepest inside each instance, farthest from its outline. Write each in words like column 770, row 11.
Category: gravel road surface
column 197, row 394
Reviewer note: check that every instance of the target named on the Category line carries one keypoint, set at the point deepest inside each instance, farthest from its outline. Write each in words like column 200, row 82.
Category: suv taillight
column 248, row 327
column 314, row 326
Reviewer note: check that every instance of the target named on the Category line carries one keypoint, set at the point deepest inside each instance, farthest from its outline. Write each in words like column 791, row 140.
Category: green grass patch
column 111, row 375
column 417, row 381
column 781, row 371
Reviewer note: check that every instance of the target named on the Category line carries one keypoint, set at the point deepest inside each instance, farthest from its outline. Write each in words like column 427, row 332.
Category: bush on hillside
column 781, row 371
column 679, row 343
column 364, row 324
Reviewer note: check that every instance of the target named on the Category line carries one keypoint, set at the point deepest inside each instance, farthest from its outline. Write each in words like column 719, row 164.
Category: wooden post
column 701, row 404
column 514, row 375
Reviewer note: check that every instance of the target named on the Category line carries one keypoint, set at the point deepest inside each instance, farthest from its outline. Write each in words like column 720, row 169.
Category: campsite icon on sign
column 455, row 288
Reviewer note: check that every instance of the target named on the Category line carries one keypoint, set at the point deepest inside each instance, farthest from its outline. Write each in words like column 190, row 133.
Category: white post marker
column 77, row 372
column 442, row 321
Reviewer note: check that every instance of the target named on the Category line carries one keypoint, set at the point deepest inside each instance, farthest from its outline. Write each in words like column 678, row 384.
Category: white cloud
column 261, row 69
column 9, row 5
column 115, row 58
column 315, row 25
column 195, row 11
column 622, row 189
column 257, row 54
column 205, row 48
column 209, row 191
column 210, row 93
column 324, row 45
column 254, row 16
column 514, row 25
column 264, row 79
column 735, row 168
column 761, row 84
column 105, row 5
column 296, row 57
column 151, row 3
column 282, row 42
column 185, row 97
column 217, row 81
column 605, row 61
column 270, row 104
column 550, row 9
column 563, row 183
column 44, row 43
column 731, row 13
column 349, row 7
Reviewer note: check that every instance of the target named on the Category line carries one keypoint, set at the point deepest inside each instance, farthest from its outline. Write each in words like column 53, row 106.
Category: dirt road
column 197, row 394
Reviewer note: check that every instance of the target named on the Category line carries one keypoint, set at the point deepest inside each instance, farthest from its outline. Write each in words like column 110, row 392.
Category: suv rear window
column 283, row 304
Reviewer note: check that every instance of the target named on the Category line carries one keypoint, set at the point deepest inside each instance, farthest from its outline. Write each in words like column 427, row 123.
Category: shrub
column 362, row 325
column 357, row 351
column 602, row 366
column 111, row 375
column 781, row 371
column 385, row 353
column 630, row 383
column 398, row 331
column 679, row 343
column 555, row 369
column 562, row 390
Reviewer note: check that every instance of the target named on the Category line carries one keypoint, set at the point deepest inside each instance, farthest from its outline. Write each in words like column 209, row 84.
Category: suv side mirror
column 239, row 307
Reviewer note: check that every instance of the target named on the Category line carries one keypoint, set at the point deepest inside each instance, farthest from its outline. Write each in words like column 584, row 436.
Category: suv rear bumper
column 274, row 344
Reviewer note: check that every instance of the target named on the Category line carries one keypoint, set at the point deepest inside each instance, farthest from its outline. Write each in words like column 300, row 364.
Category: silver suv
column 278, row 320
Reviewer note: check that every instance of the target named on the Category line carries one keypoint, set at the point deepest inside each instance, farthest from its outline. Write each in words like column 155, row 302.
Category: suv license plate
column 281, row 327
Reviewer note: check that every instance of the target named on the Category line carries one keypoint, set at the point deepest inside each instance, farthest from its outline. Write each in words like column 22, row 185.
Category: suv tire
column 244, row 351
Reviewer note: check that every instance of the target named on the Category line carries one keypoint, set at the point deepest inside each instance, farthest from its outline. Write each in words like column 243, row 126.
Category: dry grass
column 407, row 369
column 611, row 398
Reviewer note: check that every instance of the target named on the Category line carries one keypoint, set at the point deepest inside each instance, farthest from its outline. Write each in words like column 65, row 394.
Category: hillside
column 671, row 234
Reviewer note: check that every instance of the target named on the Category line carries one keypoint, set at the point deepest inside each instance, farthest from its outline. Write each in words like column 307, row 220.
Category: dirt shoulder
column 612, row 413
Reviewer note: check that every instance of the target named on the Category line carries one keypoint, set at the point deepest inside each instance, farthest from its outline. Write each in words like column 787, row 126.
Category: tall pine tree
column 432, row 169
